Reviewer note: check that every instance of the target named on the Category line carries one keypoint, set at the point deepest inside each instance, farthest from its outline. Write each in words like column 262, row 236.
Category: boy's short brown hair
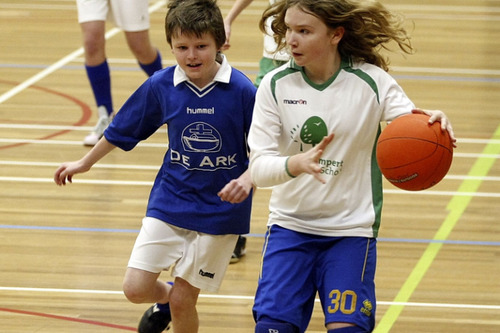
column 195, row 17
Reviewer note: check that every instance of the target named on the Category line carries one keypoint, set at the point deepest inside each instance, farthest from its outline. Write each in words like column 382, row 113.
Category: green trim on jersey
column 377, row 192
column 265, row 66
column 365, row 77
column 278, row 76
column 321, row 86
column 344, row 65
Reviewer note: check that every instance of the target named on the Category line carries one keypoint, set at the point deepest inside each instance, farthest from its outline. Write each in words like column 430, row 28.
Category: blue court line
column 381, row 239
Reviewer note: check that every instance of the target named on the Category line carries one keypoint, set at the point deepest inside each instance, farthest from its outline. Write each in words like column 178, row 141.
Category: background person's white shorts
column 128, row 15
column 201, row 259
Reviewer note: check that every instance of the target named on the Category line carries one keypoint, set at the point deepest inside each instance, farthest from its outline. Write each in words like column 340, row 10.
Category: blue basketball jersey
column 207, row 130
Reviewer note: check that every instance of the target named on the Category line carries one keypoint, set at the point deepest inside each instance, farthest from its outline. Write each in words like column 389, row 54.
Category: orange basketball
column 412, row 154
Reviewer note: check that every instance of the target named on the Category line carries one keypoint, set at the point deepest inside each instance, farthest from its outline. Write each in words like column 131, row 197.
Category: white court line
column 163, row 129
column 57, row 65
column 165, row 145
column 156, row 167
column 73, row 143
column 244, row 297
column 150, row 183
column 98, row 165
column 403, row 69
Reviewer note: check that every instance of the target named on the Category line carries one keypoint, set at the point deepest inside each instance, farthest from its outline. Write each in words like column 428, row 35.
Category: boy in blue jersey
column 200, row 201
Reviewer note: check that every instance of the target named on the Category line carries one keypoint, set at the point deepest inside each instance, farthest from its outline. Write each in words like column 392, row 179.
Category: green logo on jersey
column 312, row 132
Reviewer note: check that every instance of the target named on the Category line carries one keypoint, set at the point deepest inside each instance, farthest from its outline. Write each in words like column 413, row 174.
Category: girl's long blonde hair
column 368, row 25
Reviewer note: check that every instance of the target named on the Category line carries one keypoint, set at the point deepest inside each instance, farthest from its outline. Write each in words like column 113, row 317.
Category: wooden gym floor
column 63, row 251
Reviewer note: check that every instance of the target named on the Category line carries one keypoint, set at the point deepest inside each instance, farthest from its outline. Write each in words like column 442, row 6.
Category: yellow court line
column 456, row 207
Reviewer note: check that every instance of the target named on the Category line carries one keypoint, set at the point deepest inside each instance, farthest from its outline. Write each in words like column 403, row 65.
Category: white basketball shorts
column 200, row 259
column 128, row 15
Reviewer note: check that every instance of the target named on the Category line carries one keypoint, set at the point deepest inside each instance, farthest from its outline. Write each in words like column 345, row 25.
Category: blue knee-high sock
column 149, row 69
column 165, row 307
column 100, row 81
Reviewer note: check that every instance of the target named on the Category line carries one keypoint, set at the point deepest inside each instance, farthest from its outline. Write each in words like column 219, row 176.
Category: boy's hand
column 237, row 190
column 67, row 170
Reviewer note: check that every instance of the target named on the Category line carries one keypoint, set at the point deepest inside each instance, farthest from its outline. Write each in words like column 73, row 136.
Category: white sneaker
column 102, row 124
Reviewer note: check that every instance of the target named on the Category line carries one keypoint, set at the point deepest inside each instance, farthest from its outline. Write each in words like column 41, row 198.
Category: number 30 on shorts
column 343, row 301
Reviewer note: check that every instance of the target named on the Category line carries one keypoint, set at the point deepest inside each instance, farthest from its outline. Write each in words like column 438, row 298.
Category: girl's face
column 196, row 56
column 312, row 44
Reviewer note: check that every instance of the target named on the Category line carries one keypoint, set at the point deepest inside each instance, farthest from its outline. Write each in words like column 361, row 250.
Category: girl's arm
column 68, row 169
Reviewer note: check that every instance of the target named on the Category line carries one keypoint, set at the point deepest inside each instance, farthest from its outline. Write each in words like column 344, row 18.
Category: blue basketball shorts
column 296, row 266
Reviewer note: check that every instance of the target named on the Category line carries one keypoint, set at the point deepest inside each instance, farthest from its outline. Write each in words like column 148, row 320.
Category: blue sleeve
column 138, row 119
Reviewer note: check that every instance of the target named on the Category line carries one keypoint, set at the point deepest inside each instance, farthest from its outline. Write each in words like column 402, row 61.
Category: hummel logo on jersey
column 295, row 101
column 206, row 274
column 200, row 110
column 272, row 330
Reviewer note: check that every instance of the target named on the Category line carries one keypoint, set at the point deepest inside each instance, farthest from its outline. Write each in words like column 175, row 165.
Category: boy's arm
column 68, row 169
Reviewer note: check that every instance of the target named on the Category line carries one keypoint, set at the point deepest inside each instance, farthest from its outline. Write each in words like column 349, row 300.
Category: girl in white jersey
column 313, row 136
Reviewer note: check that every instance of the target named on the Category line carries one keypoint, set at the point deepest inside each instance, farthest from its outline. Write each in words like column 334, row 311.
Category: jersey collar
column 223, row 74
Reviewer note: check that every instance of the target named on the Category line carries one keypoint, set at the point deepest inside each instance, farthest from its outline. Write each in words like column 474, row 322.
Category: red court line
column 86, row 113
column 77, row 320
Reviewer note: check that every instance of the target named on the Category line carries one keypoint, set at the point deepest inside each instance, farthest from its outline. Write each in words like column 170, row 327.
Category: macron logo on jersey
column 295, row 101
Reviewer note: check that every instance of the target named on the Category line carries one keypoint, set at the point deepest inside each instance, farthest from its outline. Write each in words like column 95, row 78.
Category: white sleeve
column 267, row 165
column 394, row 100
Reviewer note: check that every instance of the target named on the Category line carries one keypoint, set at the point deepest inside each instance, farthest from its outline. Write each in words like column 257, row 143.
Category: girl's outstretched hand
column 308, row 162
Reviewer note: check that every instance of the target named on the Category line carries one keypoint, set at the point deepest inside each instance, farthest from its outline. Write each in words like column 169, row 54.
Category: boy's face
column 196, row 56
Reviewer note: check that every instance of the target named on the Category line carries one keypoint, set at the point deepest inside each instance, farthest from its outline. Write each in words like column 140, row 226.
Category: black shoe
column 154, row 321
column 239, row 249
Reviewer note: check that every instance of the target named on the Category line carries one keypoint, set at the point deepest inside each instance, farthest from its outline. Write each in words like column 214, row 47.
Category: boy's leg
column 180, row 309
column 183, row 300
column 239, row 249
column 141, row 286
